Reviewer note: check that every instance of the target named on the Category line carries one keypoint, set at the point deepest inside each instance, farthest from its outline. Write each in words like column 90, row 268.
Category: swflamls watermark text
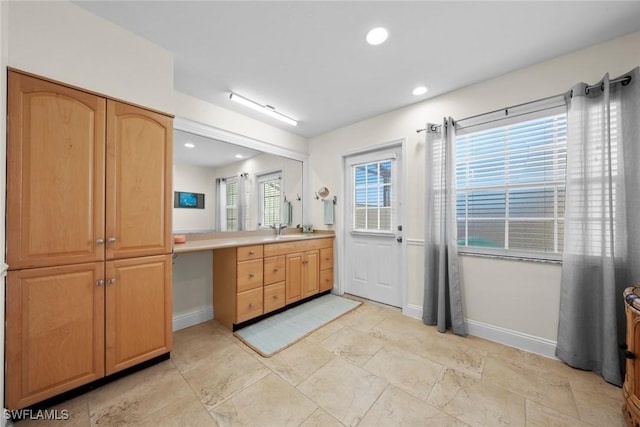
column 36, row 414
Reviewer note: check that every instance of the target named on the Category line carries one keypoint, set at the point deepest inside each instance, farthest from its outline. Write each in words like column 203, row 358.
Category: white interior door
column 373, row 225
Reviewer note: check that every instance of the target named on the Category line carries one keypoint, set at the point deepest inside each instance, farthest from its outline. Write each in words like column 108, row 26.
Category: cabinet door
column 293, row 281
column 138, row 310
column 139, row 168
column 55, row 174
column 55, row 331
column 310, row 273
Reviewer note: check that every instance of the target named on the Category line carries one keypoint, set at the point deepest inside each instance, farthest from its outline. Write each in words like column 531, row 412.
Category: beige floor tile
column 131, row 399
column 544, row 387
column 320, row 418
column 187, row 411
column 224, row 374
column 299, row 361
column 324, row 332
column 355, row 346
column 407, row 371
column 542, row 416
column 268, row 402
column 397, row 408
column 71, row 413
column 365, row 317
column 193, row 350
column 475, row 402
column 343, row 390
column 599, row 408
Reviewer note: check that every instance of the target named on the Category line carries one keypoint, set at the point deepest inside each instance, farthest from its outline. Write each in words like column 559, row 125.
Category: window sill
column 518, row 257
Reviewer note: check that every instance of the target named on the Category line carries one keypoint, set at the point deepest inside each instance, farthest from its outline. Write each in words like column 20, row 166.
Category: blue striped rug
column 278, row 332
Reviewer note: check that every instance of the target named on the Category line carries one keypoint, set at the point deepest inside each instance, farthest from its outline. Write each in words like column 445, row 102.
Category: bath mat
column 269, row 336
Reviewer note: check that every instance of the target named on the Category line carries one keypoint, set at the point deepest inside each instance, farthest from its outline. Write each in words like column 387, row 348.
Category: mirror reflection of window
column 231, row 198
column 270, row 198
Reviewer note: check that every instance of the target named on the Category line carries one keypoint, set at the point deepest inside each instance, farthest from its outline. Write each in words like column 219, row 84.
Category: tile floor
column 371, row 367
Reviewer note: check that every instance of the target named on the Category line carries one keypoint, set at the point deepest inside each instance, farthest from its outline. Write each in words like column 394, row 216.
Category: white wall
column 61, row 41
column 4, row 53
column 517, row 296
column 195, row 179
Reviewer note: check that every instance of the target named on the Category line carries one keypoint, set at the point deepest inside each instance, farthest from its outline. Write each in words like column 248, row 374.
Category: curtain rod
column 624, row 80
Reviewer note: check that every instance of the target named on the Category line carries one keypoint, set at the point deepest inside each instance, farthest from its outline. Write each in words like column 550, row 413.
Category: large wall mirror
column 228, row 182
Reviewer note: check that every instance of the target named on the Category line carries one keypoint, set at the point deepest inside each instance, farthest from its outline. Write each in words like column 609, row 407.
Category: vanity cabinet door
column 310, row 273
column 293, row 291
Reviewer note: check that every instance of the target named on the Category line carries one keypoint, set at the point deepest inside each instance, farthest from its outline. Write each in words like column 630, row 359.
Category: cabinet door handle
column 100, row 282
column 111, row 240
column 111, row 281
column 100, row 242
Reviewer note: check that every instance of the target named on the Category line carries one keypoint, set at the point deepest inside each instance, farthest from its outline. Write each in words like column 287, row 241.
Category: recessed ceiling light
column 189, row 145
column 420, row 90
column 239, row 156
column 377, row 36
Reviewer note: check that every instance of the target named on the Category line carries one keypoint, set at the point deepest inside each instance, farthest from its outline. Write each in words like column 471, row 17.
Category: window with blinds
column 232, row 199
column 372, row 196
column 510, row 187
column 270, row 190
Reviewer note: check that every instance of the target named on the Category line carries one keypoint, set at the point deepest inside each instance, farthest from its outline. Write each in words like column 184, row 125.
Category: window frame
column 260, row 180
column 536, row 110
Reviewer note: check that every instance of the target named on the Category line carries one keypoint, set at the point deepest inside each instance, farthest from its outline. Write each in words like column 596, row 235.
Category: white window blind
column 270, row 191
column 232, row 199
column 372, row 203
column 510, row 185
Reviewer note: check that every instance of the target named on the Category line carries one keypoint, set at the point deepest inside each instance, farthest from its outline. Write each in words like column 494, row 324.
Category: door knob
column 399, row 239
column 99, row 241
column 111, row 240
column 100, row 282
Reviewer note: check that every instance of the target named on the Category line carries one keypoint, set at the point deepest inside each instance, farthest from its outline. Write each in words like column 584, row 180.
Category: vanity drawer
column 249, row 275
column 326, row 258
column 273, row 297
column 274, row 269
column 249, row 252
column 248, row 305
column 326, row 280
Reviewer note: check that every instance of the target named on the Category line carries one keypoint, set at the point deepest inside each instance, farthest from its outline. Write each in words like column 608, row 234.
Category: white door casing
column 373, row 219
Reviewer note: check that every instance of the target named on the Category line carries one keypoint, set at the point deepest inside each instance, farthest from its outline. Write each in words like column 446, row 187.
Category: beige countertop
column 199, row 244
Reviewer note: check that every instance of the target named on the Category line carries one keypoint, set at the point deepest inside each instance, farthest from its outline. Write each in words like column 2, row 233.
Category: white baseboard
column 530, row 343
column 185, row 320
column 412, row 310
column 526, row 342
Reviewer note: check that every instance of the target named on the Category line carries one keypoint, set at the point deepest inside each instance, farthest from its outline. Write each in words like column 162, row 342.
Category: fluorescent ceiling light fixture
column 377, row 36
column 265, row 109
column 420, row 90
column 189, row 145
column 239, row 156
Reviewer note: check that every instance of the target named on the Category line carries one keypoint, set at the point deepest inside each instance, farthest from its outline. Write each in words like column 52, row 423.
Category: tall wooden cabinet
column 88, row 237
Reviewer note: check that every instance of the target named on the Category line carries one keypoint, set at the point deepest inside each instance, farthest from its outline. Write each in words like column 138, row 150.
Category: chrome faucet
column 278, row 228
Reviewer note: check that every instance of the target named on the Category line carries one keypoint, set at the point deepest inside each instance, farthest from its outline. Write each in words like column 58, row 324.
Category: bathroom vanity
column 254, row 275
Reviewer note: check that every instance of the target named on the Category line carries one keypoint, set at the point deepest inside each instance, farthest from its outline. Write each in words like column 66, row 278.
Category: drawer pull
column 629, row 355
column 251, row 252
column 251, row 275
column 275, row 270
column 252, row 306
column 275, row 297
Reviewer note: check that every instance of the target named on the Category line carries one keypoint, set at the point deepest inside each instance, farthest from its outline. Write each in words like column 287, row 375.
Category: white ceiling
column 310, row 61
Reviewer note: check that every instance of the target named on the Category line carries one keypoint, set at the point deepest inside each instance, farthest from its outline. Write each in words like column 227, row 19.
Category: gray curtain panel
column 442, row 304
column 602, row 228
